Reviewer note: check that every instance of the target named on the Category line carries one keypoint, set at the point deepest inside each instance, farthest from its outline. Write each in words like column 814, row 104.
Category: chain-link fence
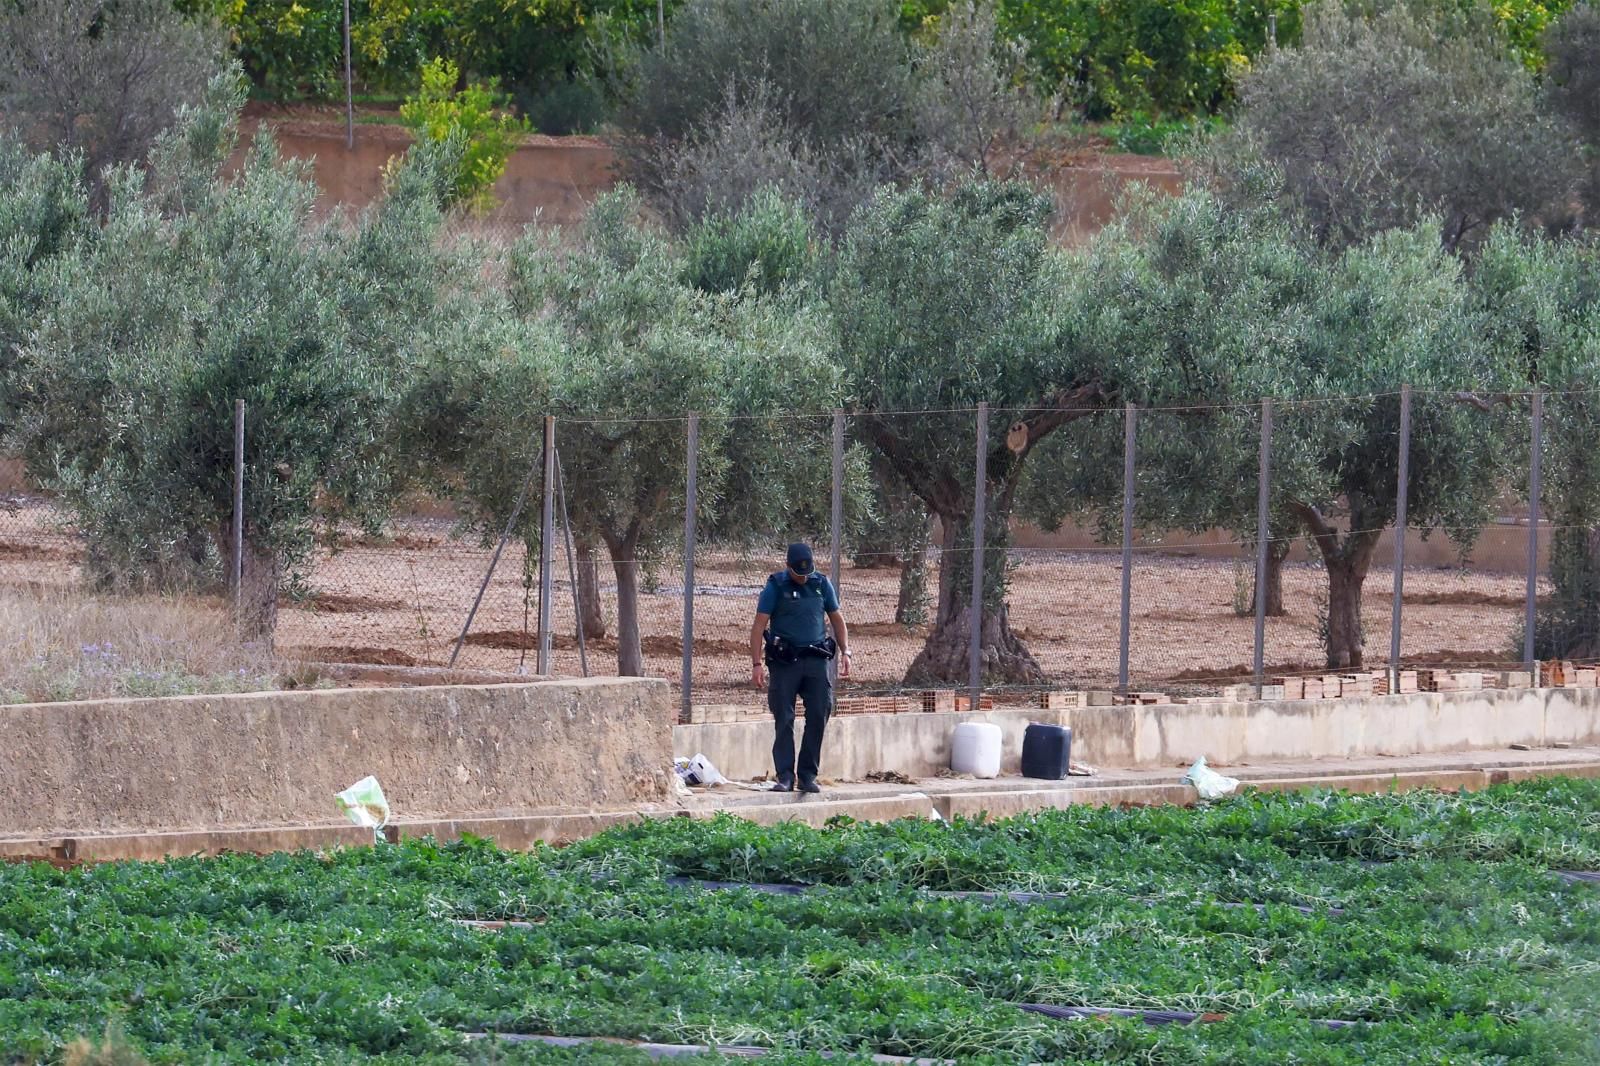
column 1121, row 551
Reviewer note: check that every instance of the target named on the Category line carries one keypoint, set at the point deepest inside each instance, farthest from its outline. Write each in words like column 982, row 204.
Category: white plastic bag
column 698, row 771
column 705, row 772
column 1206, row 781
column 364, row 804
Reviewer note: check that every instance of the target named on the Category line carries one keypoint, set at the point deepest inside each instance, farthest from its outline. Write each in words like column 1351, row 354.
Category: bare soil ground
column 403, row 600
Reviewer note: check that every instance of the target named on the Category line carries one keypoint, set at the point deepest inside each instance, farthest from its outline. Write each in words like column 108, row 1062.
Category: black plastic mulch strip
column 1149, row 1017
column 988, row 897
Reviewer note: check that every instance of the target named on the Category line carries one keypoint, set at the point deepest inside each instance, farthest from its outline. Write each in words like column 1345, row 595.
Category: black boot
column 809, row 784
column 785, row 783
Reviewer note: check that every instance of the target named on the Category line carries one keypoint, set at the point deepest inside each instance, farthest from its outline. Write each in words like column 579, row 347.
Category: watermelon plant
column 1431, row 924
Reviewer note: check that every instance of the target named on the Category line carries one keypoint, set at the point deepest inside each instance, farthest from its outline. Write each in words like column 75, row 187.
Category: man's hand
column 758, row 675
column 844, row 664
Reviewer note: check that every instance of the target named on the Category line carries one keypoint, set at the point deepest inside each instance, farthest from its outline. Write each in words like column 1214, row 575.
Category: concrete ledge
column 950, row 799
column 154, row 847
column 1505, row 775
column 1377, row 784
column 915, row 744
column 816, row 812
column 216, row 763
column 1008, row 802
column 522, row 832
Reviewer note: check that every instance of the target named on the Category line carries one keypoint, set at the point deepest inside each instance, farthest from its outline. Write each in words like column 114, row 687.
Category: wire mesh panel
column 1054, row 500
column 908, row 566
column 1064, row 572
column 37, row 542
column 1192, row 624
column 400, row 598
column 1467, row 605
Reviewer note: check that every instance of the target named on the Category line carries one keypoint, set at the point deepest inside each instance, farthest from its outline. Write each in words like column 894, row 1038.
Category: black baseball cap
column 800, row 560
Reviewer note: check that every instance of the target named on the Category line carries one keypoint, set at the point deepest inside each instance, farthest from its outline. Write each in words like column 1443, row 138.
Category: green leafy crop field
column 1437, row 925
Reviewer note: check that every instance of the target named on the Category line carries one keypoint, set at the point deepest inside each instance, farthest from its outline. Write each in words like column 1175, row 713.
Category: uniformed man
column 789, row 640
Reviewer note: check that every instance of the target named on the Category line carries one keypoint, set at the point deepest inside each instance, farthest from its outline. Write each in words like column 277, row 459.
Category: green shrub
column 476, row 117
column 769, row 243
column 1141, row 134
column 200, row 289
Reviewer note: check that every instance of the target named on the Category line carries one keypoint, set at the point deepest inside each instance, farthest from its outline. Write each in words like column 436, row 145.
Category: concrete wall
column 855, row 745
column 1239, row 733
column 278, row 758
column 1167, row 735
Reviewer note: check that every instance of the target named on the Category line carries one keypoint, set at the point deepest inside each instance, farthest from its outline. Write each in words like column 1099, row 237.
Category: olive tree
column 199, row 290
column 637, row 342
column 100, row 80
column 1191, row 295
column 1380, row 120
column 942, row 303
column 44, row 223
column 1211, row 310
column 1540, row 301
column 1572, row 82
column 1391, row 312
column 823, row 99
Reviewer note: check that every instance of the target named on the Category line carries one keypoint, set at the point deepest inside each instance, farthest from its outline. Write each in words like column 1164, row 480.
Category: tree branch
column 1485, row 402
column 1321, row 530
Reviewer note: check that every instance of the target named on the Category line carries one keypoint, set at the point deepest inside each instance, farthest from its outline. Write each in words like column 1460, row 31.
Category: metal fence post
column 1129, row 420
column 1402, row 492
column 1263, row 532
column 1535, row 470
column 547, row 537
column 236, row 570
column 691, row 494
column 836, row 516
column 979, row 505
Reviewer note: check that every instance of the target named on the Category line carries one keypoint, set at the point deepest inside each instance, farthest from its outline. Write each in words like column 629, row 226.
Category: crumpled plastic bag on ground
column 1206, row 781
column 699, row 771
column 365, row 805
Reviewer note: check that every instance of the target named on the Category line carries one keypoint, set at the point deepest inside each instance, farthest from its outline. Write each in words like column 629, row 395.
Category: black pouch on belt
column 826, row 648
column 778, row 649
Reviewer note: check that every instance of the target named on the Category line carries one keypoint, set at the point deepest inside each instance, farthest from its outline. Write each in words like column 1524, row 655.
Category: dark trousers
column 807, row 679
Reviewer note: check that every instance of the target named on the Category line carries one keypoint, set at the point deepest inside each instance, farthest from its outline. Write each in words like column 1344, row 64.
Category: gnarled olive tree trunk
column 1347, row 558
column 1277, row 552
column 946, row 656
column 625, row 564
column 590, row 617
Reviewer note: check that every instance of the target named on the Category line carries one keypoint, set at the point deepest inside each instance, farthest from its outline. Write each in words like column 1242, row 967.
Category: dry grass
column 114, row 1050
column 63, row 643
